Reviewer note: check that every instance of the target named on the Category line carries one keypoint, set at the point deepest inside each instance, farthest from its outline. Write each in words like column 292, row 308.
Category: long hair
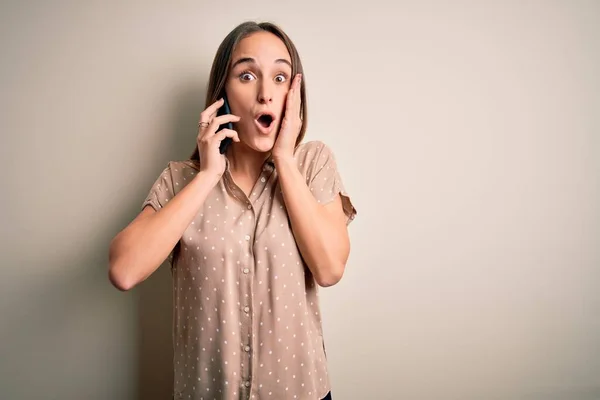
column 222, row 64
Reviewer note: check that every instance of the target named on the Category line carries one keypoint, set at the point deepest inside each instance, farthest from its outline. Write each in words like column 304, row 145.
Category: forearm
column 322, row 243
column 139, row 249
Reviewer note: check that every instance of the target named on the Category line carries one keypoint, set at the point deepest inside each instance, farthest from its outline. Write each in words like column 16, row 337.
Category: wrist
column 283, row 160
column 208, row 177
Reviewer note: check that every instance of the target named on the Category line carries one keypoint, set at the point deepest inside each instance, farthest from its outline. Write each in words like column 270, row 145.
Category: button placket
column 261, row 183
column 246, row 282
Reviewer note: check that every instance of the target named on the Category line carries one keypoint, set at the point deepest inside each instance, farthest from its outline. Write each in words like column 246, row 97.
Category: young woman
column 250, row 234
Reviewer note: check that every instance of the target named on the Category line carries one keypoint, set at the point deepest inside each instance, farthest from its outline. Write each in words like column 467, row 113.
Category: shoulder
column 313, row 151
column 178, row 172
column 173, row 177
column 312, row 145
column 178, row 167
column 315, row 158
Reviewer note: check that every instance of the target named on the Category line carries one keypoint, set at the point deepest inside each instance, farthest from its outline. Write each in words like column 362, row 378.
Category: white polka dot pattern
column 247, row 322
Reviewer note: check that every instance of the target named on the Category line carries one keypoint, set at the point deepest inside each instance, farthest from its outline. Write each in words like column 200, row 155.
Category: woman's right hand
column 208, row 141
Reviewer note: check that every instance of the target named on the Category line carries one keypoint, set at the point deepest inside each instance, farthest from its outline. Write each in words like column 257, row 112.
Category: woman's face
column 256, row 88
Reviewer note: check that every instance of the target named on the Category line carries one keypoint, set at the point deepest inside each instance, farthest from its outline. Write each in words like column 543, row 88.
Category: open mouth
column 265, row 120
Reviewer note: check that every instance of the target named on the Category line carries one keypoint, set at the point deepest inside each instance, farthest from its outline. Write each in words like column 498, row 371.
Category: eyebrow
column 253, row 61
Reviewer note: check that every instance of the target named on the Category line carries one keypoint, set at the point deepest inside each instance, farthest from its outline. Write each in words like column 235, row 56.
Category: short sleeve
column 161, row 191
column 326, row 183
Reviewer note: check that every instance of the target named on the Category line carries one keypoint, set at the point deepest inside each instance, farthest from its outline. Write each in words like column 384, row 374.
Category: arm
column 320, row 230
column 139, row 249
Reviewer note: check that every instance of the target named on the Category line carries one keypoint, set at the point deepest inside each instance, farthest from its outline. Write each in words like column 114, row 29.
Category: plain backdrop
column 466, row 132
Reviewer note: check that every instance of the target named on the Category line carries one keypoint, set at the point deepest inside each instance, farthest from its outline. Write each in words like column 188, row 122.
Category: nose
column 265, row 93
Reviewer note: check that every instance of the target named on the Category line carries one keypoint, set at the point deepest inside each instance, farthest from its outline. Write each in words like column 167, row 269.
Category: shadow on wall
column 155, row 349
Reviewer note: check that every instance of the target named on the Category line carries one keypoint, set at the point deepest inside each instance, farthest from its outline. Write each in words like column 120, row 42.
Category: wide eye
column 246, row 76
column 280, row 78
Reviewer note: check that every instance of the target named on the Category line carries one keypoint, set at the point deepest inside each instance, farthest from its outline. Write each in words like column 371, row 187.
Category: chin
column 263, row 144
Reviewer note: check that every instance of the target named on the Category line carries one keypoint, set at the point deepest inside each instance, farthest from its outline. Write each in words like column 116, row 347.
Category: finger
column 298, row 81
column 210, row 111
column 222, row 134
column 223, row 119
column 291, row 99
column 218, row 121
column 298, row 95
column 211, row 116
column 295, row 85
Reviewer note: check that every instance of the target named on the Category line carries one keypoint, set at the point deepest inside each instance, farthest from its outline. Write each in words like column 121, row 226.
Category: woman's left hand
column 291, row 124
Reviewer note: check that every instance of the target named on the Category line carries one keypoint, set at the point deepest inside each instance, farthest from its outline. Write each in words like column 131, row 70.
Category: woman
column 250, row 234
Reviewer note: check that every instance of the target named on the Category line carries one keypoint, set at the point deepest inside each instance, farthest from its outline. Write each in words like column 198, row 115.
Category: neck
column 244, row 161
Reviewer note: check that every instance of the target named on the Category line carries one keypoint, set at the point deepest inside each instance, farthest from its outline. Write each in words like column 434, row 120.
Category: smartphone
column 223, row 110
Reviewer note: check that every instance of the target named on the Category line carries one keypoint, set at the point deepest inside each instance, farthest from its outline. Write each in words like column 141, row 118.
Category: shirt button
column 247, row 383
column 247, row 237
column 246, row 270
column 263, row 179
column 247, row 309
column 249, row 206
column 247, row 348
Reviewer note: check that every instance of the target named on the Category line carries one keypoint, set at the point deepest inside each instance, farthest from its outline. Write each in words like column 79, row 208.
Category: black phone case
column 223, row 110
